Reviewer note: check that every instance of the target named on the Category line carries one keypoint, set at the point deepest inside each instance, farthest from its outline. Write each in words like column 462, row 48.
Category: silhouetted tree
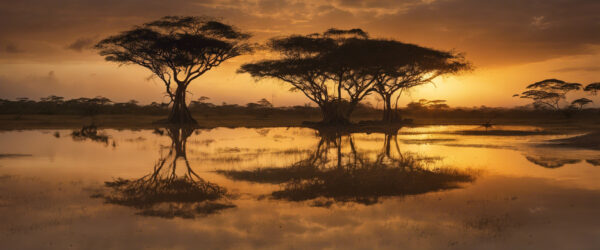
column 427, row 104
column 326, row 67
column 264, row 103
column 53, row 99
column 201, row 103
column 398, row 66
column 579, row 103
column 177, row 49
column 549, row 93
column 338, row 68
column 593, row 88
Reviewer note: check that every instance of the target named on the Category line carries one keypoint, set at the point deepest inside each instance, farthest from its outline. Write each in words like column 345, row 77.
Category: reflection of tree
column 550, row 162
column 89, row 132
column 350, row 176
column 165, row 193
column 594, row 162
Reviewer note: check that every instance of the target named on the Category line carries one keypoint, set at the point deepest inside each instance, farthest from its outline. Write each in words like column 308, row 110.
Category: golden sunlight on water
column 432, row 187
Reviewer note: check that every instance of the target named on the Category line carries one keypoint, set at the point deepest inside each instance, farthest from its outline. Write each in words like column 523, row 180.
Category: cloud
column 33, row 85
column 491, row 32
column 500, row 31
column 81, row 44
column 12, row 48
column 539, row 22
column 573, row 69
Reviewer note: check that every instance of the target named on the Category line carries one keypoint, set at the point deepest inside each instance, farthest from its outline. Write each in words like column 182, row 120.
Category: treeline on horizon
column 426, row 109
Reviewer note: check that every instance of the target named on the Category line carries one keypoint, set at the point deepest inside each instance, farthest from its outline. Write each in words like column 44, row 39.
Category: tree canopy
column 579, row 103
column 336, row 69
column 318, row 65
column 177, row 49
column 549, row 92
column 398, row 66
column 593, row 88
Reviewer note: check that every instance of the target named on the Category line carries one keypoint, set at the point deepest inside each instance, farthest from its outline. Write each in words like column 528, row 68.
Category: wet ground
column 435, row 187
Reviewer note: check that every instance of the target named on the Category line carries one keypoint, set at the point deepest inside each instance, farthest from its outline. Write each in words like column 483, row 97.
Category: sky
column 45, row 46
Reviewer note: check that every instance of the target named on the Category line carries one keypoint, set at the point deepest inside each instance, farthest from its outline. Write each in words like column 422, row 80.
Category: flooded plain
column 434, row 187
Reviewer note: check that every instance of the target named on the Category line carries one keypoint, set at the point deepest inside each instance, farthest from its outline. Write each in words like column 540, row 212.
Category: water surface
column 454, row 187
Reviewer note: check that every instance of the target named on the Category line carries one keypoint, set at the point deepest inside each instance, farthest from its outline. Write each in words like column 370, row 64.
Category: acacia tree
column 593, row 88
column 549, row 93
column 579, row 103
column 325, row 67
column 399, row 66
column 177, row 49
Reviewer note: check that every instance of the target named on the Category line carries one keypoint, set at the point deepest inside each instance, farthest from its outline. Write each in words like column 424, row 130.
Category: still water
column 436, row 187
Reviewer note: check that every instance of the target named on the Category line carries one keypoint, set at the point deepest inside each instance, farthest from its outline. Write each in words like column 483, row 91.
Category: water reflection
column 550, row 162
column 594, row 162
column 167, row 192
column 88, row 132
column 513, row 203
column 555, row 157
column 336, row 171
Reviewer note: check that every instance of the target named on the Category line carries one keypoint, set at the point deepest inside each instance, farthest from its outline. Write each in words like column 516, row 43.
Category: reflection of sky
column 514, row 202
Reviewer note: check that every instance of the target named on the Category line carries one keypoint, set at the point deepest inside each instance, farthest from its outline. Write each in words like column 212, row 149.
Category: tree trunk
column 388, row 144
column 389, row 115
column 351, row 108
column 333, row 114
column 179, row 138
column 180, row 114
column 387, row 109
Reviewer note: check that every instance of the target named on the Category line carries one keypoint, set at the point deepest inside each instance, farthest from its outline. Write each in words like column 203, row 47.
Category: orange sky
column 44, row 45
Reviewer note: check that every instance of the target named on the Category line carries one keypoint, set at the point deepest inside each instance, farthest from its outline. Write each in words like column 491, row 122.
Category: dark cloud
column 574, row 69
column 492, row 32
column 500, row 31
column 12, row 48
column 81, row 44
column 390, row 5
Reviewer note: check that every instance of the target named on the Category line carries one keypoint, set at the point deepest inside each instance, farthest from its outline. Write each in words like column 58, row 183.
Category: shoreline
column 29, row 122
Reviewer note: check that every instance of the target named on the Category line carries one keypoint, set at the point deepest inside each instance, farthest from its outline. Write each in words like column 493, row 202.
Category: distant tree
column 438, row 104
column 427, row 104
column 100, row 100
column 593, row 88
column 177, row 49
column 579, row 103
column 53, row 99
column 203, row 99
column 264, row 103
column 132, row 103
column 201, row 103
column 549, row 93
